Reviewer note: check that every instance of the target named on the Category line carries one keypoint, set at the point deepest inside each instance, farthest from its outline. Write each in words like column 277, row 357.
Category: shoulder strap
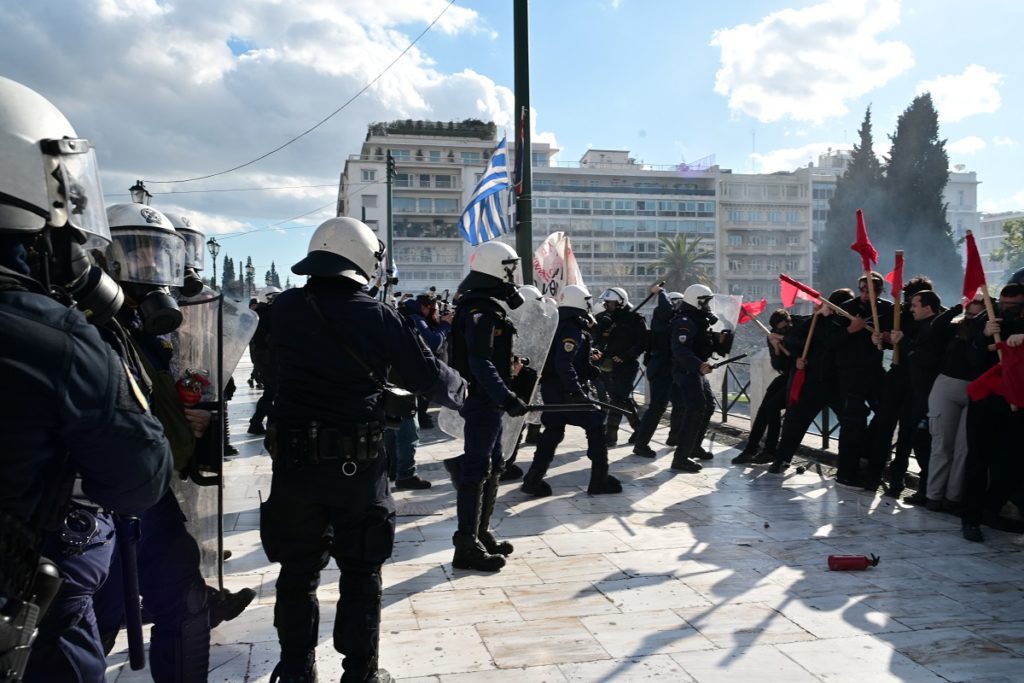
column 311, row 299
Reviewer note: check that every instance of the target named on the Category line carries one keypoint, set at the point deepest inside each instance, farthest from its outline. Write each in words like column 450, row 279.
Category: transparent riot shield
column 535, row 322
column 726, row 308
column 213, row 335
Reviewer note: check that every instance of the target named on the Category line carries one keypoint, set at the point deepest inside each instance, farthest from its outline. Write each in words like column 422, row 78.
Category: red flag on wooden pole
column 751, row 310
column 895, row 277
column 974, row 274
column 862, row 246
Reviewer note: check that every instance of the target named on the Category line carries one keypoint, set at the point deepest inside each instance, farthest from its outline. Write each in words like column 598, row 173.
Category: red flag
column 751, row 310
column 796, row 385
column 895, row 278
column 862, row 246
column 1005, row 378
column 974, row 275
column 791, row 290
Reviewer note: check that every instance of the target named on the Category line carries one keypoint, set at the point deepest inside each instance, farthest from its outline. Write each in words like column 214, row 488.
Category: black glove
column 514, row 406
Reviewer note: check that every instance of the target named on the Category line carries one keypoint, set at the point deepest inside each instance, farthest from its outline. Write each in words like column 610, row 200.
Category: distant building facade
column 989, row 237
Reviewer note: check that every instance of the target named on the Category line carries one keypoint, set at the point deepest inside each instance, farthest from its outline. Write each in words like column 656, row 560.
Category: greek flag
column 484, row 216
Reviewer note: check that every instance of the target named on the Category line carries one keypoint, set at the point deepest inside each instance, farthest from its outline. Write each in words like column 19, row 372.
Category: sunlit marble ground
column 709, row 577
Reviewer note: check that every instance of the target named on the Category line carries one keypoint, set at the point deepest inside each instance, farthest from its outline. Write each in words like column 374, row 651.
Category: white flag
column 555, row 265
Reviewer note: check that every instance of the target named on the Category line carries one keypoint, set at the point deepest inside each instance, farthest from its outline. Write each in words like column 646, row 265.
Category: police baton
column 728, row 360
column 649, row 297
column 128, row 532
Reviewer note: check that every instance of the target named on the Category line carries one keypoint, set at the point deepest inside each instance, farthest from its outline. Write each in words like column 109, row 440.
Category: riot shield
column 535, row 322
column 213, row 335
column 726, row 308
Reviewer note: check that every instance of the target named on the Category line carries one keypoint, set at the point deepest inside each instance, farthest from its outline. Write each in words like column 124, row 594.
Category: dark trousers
column 173, row 592
column 592, row 422
column 895, row 409
column 659, row 377
column 694, row 397
column 315, row 513
column 483, row 456
column 799, row 417
column 857, row 389
column 68, row 647
column 619, row 387
column 769, row 415
column 994, row 467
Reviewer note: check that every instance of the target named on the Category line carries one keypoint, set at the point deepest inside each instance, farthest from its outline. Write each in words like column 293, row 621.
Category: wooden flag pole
column 767, row 331
column 991, row 311
column 898, row 315
column 874, row 304
column 810, row 333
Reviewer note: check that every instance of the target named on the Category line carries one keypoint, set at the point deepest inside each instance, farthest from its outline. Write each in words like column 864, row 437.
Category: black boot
column 362, row 671
column 601, row 481
column 470, row 553
column 611, row 435
column 281, row 674
column 747, row 455
column 493, row 546
column 534, row 484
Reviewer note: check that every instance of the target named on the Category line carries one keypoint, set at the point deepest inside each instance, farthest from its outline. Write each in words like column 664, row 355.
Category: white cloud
column 971, row 144
column 1002, row 141
column 158, row 89
column 1014, row 202
column 975, row 91
column 805, row 64
column 792, row 158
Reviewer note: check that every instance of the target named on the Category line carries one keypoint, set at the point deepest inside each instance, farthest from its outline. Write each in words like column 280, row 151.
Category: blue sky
column 172, row 89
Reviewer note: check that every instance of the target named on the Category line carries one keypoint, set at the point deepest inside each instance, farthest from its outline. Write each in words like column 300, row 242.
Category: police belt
column 350, row 445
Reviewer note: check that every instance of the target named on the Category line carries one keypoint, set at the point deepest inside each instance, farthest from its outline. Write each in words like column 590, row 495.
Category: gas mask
column 511, row 296
column 71, row 268
column 193, row 285
column 157, row 309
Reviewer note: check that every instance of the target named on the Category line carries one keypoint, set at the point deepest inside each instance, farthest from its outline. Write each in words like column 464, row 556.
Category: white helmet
column 195, row 245
column 697, row 295
column 575, row 296
column 145, row 247
column 496, row 259
column 529, row 292
column 342, row 247
column 270, row 292
column 48, row 174
column 675, row 297
column 617, row 294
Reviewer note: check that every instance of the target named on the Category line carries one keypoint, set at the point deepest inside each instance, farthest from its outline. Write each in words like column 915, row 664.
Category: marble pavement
column 716, row 576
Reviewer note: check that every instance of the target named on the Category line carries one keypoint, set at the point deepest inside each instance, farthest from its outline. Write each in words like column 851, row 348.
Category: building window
column 443, row 181
column 735, row 264
column 472, row 158
column 961, row 193
column 369, row 201
column 756, row 240
column 773, row 216
column 435, row 156
column 404, row 204
column 402, row 180
column 401, row 154
column 792, row 265
column 424, row 180
column 446, row 206
column 737, row 216
column 735, row 240
column 794, row 216
column 369, row 174
column 771, row 240
column 793, row 240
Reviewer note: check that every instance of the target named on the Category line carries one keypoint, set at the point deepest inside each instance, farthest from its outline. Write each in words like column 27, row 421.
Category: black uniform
column 259, row 350
column 659, row 376
column 329, row 493
column 74, row 411
column 692, row 345
column 622, row 334
column 567, row 371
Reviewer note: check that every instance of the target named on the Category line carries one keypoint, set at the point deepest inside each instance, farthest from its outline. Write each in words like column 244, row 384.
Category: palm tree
column 684, row 262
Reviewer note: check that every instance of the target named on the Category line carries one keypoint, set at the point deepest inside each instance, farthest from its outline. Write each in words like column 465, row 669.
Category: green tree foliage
column 684, row 262
column 916, row 174
column 859, row 188
column 1011, row 251
column 250, row 280
column 902, row 203
column 227, row 275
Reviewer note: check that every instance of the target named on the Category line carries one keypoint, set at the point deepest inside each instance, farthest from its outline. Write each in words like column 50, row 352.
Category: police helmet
column 529, row 292
column 1017, row 278
column 575, row 296
column 145, row 247
column 495, row 259
column 270, row 292
column 342, row 248
column 48, row 175
column 616, row 294
column 675, row 297
column 697, row 295
column 195, row 244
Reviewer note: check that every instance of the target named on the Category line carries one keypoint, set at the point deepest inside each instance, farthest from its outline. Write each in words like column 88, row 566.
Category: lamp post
column 214, row 248
column 250, row 275
column 139, row 193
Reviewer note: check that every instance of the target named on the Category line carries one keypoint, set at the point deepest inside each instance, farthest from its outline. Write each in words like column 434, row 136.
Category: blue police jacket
column 70, row 395
column 434, row 337
column 319, row 381
column 688, row 335
column 568, row 364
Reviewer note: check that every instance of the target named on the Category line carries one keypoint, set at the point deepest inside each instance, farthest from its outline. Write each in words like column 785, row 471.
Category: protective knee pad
column 357, row 624
column 181, row 653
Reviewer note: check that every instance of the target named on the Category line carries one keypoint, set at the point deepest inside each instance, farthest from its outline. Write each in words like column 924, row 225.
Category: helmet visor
column 195, row 248
column 147, row 256
column 78, row 185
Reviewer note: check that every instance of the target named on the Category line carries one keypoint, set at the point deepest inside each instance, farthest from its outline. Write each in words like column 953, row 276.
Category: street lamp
column 214, row 248
column 250, row 274
column 139, row 193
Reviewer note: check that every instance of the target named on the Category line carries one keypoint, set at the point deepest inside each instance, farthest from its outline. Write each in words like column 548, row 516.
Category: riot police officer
column 331, row 347
column 77, row 412
column 567, row 371
column 147, row 257
column 659, row 371
column 621, row 337
column 693, row 343
column 481, row 350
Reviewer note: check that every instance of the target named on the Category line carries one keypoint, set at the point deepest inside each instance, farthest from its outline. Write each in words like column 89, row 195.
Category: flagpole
column 524, row 209
column 897, row 312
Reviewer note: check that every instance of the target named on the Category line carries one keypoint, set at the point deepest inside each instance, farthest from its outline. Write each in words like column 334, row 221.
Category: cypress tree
column 861, row 187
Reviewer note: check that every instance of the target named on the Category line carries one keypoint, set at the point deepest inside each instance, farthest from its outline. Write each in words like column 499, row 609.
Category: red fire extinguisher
column 839, row 563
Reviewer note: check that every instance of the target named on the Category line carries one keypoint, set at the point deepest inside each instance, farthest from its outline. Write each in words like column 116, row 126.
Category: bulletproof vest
column 704, row 341
column 499, row 351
